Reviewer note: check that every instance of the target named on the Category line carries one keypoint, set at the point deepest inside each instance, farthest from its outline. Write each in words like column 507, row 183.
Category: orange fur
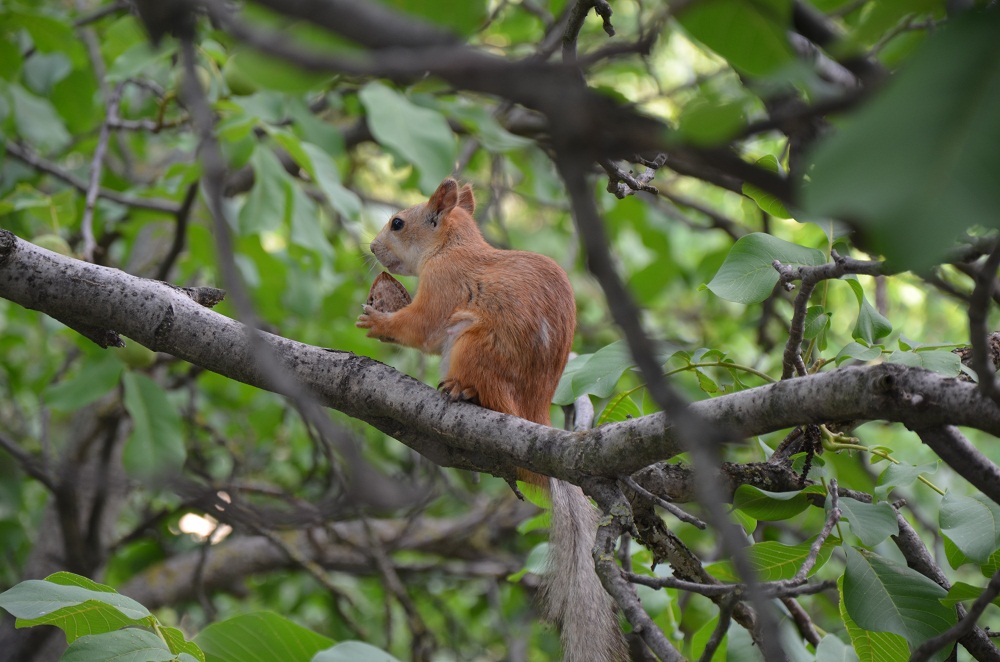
column 502, row 319
column 503, row 322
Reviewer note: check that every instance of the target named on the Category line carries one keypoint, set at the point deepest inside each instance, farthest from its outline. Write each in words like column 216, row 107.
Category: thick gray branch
column 463, row 435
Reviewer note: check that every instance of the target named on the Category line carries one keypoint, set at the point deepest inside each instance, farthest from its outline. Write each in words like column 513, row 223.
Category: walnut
column 387, row 294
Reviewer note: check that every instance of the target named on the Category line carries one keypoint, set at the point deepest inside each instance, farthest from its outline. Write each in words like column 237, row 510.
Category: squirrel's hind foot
column 456, row 392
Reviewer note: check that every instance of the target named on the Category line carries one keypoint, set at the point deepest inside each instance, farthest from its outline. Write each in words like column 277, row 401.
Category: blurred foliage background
column 316, row 164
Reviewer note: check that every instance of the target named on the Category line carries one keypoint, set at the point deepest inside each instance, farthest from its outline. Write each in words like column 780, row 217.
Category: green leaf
column 595, row 374
column 353, row 651
column 909, row 359
column 537, row 563
column 774, row 561
column 941, row 361
column 249, row 66
column 121, row 35
column 47, row 32
column 832, row 649
column 129, row 645
column 705, row 122
column 751, row 34
column 264, row 209
column 767, row 201
column 155, row 447
column 706, row 383
column 972, row 523
column 871, row 646
column 307, row 231
column 179, row 644
column 462, row 17
column 37, row 121
column 956, row 559
column 858, row 352
column 419, row 135
column 962, row 592
column 540, row 522
column 901, row 475
column 10, row 59
column 75, row 604
column 748, row 275
column 323, row 170
column 883, row 596
column 871, row 522
column 620, row 408
column 917, row 160
column 139, row 59
column 771, row 506
column 95, row 378
column 482, row 123
column 871, row 325
column 992, row 565
column 260, row 637
column 817, row 321
column 702, row 636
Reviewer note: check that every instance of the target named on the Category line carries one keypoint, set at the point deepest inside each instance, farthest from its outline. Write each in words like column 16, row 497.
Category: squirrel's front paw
column 364, row 320
column 371, row 319
column 455, row 391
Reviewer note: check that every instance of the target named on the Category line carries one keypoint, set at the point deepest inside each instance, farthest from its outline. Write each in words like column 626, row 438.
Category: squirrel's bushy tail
column 572, row 594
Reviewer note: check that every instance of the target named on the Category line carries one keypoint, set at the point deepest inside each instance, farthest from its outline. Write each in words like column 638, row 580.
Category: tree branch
column 618, row 521
column 459, row 434
column 598, row 125
column 958, row 453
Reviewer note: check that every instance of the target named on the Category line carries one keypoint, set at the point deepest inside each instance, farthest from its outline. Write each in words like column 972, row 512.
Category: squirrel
column 503, row 323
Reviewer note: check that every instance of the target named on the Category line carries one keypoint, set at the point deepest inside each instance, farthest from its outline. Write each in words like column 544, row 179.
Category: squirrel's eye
column 397, row 224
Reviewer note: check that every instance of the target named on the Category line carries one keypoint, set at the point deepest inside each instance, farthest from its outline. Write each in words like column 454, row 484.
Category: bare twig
column 38, row 163
column 663, row 503
column 720, row 590
column 622, row 184
column 831, row 521
column 802, row 620
column 33, row 466
column 98, row 14
column 979, row 304
column 423, row 643
column 717, row 219
column 719, row 633
column 96, row 167
column 151, row 126
column 577, row 15
column 818, row 28
column 180, row 232
column 810, row 276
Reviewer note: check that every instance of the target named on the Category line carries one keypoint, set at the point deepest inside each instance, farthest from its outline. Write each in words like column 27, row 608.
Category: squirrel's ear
column 443, row 200
column 466, row 200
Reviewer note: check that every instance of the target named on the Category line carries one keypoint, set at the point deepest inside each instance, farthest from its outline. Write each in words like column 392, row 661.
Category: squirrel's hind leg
column 456, row 391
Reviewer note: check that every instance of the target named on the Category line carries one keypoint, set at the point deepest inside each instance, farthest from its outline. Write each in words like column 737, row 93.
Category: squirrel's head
column 414, row 234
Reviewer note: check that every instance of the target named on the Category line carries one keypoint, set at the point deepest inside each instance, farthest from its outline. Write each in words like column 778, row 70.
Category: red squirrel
column 503, row 323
